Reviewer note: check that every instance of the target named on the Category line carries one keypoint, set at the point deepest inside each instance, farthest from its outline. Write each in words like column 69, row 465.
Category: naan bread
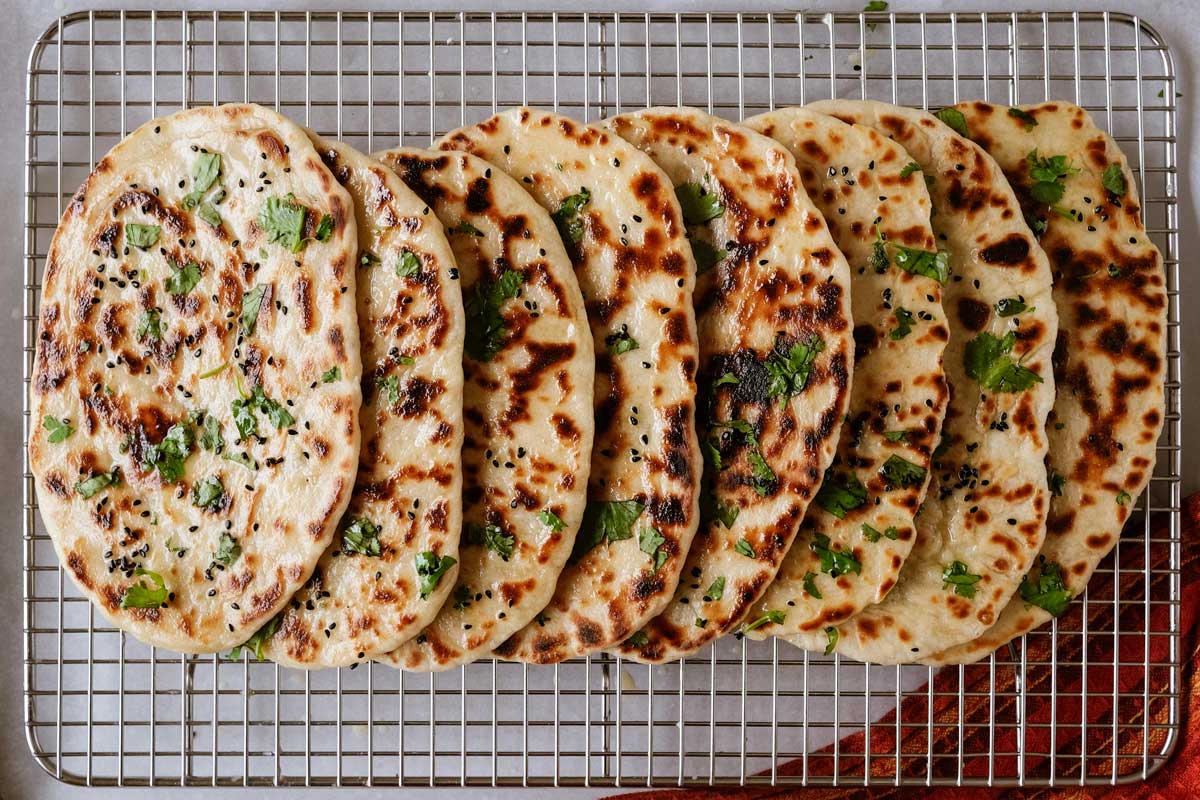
column 374, row 587
column 623, row 230
column 875, row 202
column 1110, row 362
column 527, row 405
column 984, row 518
column 776, row 355
column 191, row 466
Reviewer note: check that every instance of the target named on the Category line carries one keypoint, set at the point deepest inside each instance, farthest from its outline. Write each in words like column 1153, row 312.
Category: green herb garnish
column 430, row 569
column 619, row 342
column 715, row 590
column 986, row 360
column 551, row 520
column 1011, row 306
column 150, row 325
column 955, row 119
column 60, row 430
column 184, row 279
column 772, row 617
column 332, row 374
column 957, row 576
column 486, row 328
column 904, row 324
column 228, row 550
column 493, row 538
column 839, row 494
column 361, row 536
column 1028, row 120
column 698, row 204
column 742, row 547
column 140, row 595
column 606, row 521
column 282, row 219
column 324, row 228
column 207, row 493
column 257, row 641
column 169, row 455
column 934, row 265
column 810, row 585
column 569, row 217
column 873, row 535
column 408, row 265
column 650, row 542
column 1114, row 180
column 1047, row 175
column 835, row 562
column 251, row 304
column 789, row 372
column 1047, row 591
column 143, row 237
column 901, row 472
column 98, row 483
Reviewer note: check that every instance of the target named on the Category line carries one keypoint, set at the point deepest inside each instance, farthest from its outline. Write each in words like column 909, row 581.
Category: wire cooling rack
column 103, row 709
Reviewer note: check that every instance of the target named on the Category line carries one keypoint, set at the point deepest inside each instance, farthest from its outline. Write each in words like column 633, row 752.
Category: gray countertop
column 20, row 777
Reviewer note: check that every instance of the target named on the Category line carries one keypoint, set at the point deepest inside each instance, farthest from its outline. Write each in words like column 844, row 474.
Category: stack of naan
column 874, row 381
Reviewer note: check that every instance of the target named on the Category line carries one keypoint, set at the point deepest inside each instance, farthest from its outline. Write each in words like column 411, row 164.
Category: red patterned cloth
column 1179, row 778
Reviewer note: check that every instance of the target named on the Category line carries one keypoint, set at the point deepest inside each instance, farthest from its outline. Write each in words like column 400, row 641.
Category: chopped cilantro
column 1056, row 482
column 955, row 119
column 282, row 220
column 831, row 634
column 207, row 493
column 899, row 471
column 169, row 455
column 909, row 169
column 1028, row 120
column 257, row 641
column 430, row 569
column 332, row 374
column 715, row 590
column 462, row 597
column 789, row 371
column 879, row 258
column 835, row 562
column 1123, row 498
column 228, row 550
column 638, row 640
column 706, row 255
column 1011, row 306
column 606, row 521
column 210, row 434
column 215, row 371
column 698, row 204
column 242, row 458
column 143, row 237
column 904, row 324
column 183, row 279
column 366, row 258
column 956, row 575
column 205, row 171
column 569, row 216
column 620, row 342
column 551, row 520
column 493, row 538
column 486, row 328
column 60, row 430
column 772, row 617
column 464, row 227
column 140, row 595
column 714, row 508
column 324, row 229
column 934, row 265
column 839, row 494
column 361, row 536
column 743, row 548
column 727, row 379
column 873, row 535
column 209, row 214
column 98, row 483
column 876, row 5
column 896, row 436
column 810, row 585
column 390, row 385
column 1047, row 591
column 1047, row 175
column 408, row 265
column 150, row 325
column 251, row 304
column 986, row 360
column 650, row 542
column 1114, row 180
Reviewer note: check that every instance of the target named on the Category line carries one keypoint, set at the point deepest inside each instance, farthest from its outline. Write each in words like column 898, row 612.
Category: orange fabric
column 1179, row 778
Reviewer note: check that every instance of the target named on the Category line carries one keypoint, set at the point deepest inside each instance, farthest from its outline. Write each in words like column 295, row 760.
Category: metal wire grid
column 103, row 709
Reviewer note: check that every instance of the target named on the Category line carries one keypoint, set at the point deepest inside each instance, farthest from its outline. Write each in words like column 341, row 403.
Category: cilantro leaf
column 899, row 471
column 650, row 542
column 98, row 483
column 390, row 384
column 774, row 616
column 1123, row 498
column 620, row 342
column 244, row 419
column 209, row 214
column 408, row 265
column 361, row 536
column 698, row 204
column 955, row 119
column 1047, row 175
column 183, row 279
column 332, row 374
column 59, row 430
column 324, row 229
column 215, row 371
column 140, row 595
column 150, row 325
column 210, row 434
column 493, row 538
column 832, row 635
column 276, row 413
column 909, row 169
column 205, row 171
column 934, row 265
column 430, row 569
column 715, row 590
column 742, row 547
column 143, row 237
column 242, row 458
column 713, row 508
column 1056, row 482
column 1114, row 180
column 569, row 217
column 486, row 328
column 207, row 493
column 810, row 585
column 463, row 227
column 957, row 576
column 986, row 360
column 879, row 260
column 839, row 494
column 169, row 455
column 727, row 379
column 789, row 371
column 706, row 255
column 904, row 324
column 282, row 220
column 835, row 562
column 251, row 305
column 1028, row 120
column 873, row 535
column 1047, row 591
column 876, row 5
column 257, row 641
column 462, row 597
column 896, row 436
column 228, row 550
column 606, row 521
column 760, row 471
column 1011, row 306
column 551, row 520
column 638, row 640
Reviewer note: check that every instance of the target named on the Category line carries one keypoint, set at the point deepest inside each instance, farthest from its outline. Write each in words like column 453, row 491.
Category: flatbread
column 528, row 407
column 367, row 594
column 179, row 290
column 877, row 207
column 984, row 517
column 1110, row 362
column 776, row 355
column 626, row 239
